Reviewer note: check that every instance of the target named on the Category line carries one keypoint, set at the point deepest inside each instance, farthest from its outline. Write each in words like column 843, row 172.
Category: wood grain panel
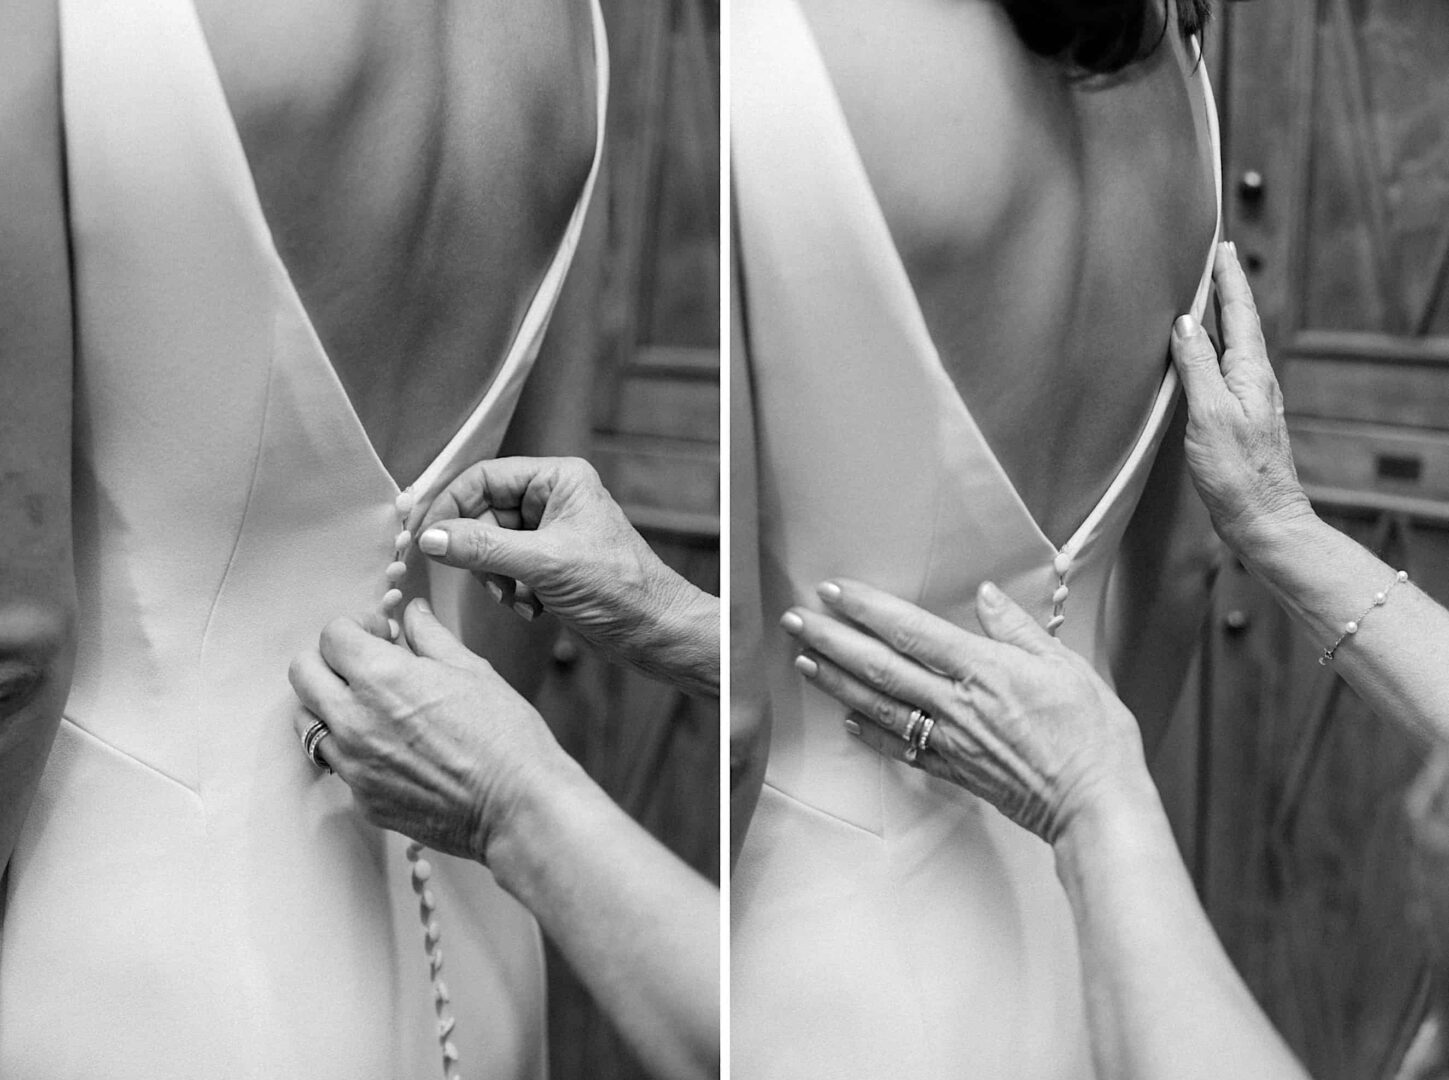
column 655, row 326
column 1354, row 456
column 1415, row 395
column 1302, row 847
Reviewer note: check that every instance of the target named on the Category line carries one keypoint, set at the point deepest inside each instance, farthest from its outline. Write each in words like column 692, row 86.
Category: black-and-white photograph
column 678, row 539
column 359, row 582
column 1090, row 484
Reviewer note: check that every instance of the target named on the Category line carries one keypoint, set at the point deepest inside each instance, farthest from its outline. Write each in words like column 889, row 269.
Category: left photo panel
column 359, row 578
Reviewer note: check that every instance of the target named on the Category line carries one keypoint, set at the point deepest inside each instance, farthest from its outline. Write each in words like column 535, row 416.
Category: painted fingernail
column 991, row 595
column 495, row 590
column 434, row 542
column 1185, row 326
column 807, row 667
column 791, row 623
column 852, row 727
column 828, row 590
column 525, row 610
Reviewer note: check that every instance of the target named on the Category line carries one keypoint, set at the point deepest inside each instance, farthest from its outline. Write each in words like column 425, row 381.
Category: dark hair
column 1097, row 37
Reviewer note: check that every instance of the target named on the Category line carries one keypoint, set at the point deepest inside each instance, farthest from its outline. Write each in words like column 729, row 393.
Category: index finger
column 926, row 638
column 505, row 486
column 1242, row 330
column 353, row 649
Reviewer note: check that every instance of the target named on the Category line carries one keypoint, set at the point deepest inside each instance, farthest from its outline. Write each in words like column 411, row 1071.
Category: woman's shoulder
column 949, row 113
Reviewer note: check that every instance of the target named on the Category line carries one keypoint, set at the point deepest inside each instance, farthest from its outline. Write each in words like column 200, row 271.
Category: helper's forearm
column 1396, row 659
column 685, row 649
column 1163, row 1000
column 638, row 926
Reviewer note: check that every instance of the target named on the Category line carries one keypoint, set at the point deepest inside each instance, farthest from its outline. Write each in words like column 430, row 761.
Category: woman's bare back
column 1051, row 228
column 418, row 165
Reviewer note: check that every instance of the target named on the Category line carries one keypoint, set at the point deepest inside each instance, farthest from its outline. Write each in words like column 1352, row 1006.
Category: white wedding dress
column 886, row 924
column 190, row 897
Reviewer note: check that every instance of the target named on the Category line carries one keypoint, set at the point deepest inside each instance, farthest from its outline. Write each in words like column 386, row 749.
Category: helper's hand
column 543, row 533
column 1237, row 441
column 1020, row 719
column 432, row 741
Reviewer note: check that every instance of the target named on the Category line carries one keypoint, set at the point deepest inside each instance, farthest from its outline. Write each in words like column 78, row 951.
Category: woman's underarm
column 749, row 701
column 37, row 588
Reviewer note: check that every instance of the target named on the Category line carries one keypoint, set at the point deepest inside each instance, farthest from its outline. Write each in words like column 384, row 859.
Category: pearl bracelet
column 1351, row 627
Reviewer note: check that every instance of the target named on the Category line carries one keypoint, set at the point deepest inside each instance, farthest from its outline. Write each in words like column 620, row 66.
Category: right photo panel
column 1089, row 487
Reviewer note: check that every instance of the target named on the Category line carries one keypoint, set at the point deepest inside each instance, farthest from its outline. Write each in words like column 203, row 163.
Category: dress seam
column 823, row 813
column 136, row 760
column 251, row 494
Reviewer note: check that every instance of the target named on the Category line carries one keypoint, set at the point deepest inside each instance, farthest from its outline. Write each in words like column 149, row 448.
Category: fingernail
column 1233, row 247
column 991, row 595
column 852, row 727
column 1184, row 328
column 525, row 610
column 791, row 623
column 828, row 590
column 434, row 542
column 807, row 667
column 495, row 590
column 425, row 607
column 393, row 629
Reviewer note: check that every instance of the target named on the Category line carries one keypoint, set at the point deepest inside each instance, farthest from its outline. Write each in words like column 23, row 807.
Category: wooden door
column 644, row 304
column 1336, row 122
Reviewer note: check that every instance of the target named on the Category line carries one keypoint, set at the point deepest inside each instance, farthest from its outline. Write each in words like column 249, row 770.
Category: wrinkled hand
column 431, row 740
column 544, row 533
column 1021, row 720
column 1237, row 441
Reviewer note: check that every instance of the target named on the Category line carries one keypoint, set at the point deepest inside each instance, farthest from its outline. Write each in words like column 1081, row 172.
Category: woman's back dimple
column 1051, row 228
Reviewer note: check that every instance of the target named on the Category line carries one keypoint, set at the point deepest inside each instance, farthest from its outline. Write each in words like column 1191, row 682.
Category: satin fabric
column 884, row 923
column 190, row 897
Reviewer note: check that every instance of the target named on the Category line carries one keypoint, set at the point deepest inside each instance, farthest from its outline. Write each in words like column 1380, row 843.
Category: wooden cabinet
column 1336, row 123
column 645, row 304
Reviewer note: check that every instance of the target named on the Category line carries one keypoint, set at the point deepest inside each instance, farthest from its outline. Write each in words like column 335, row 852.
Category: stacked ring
column 927, row 726
column 312, row 739
column 918, row 722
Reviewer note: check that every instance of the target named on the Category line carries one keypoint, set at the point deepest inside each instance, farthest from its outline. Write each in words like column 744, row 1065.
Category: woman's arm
column 749, row 699
column 637, row 925
column 37, row 588
column 435, row 745
column 1163, row 1000
column 1028, row 725
column 1237, row 447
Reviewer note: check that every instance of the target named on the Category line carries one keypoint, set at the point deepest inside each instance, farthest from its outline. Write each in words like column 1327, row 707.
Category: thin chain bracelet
column 1351, row 627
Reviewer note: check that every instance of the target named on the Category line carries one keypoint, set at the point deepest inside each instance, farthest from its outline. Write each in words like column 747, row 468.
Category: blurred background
column 641, row 305
column 1292, row 804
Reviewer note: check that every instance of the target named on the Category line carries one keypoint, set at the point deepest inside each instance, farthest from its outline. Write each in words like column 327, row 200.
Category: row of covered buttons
column 422, row 870
column 1061, row 565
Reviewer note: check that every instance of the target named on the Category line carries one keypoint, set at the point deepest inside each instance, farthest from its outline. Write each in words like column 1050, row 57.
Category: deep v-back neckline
column 535, row 315
column 909, row 305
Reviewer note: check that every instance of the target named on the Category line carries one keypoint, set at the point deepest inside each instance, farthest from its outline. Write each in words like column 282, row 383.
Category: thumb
column 1005, row 621
column 1197, row 364
column 430, row 638
column 484, row 547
